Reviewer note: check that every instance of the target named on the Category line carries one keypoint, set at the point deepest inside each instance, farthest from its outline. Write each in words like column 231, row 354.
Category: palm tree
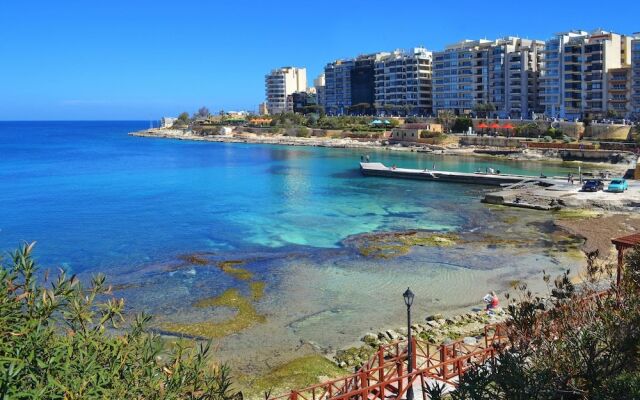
column 446, row 116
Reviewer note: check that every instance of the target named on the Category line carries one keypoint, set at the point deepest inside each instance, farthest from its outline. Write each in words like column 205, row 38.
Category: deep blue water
column 95, row 198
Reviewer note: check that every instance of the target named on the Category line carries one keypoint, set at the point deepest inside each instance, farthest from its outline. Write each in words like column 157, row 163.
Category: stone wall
column 490, row 141
column 604, row 132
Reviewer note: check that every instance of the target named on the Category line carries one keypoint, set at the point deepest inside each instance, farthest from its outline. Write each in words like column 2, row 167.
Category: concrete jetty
column 479, row 178
column 521, row 191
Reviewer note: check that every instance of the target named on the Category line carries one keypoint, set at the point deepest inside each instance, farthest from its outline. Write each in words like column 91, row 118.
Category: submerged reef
column 246, row 316
column 231, row 268
column 394, row 244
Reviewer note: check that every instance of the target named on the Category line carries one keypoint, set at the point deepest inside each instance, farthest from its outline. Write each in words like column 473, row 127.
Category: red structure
column 622, row 244
column 384, row 376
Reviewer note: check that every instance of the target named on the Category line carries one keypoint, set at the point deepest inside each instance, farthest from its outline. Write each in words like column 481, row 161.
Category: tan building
column 281, row 83
column 576, row 72
column 411, row 132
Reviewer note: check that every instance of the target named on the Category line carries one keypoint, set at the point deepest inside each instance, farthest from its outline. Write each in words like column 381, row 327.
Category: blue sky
column 142, row 59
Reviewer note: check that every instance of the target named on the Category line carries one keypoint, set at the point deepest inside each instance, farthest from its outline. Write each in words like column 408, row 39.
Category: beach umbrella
column 386, row 121
column 376, row 122
column 495, row 125
column 507, row 126
column 483, row 126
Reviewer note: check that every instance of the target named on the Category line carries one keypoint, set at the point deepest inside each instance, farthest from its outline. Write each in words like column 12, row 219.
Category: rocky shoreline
column 437, row 329
column 545, row 156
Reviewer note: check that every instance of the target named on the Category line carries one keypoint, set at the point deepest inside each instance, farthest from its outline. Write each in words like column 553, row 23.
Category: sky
column 145, row 59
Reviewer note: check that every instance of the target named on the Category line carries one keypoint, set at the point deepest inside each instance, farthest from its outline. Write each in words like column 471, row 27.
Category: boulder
column 392, row 335
column 371, row 339
column 434, row 317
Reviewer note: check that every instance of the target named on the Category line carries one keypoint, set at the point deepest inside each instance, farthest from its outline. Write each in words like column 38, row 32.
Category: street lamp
column 408, row 301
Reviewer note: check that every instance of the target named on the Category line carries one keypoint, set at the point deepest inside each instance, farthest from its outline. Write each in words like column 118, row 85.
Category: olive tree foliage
column 577, row 343
column 61, row 340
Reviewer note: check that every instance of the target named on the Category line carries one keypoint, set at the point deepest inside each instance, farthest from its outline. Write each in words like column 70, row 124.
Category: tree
column 58, row 341
column 183, row 119
column 445, row 117
column 203, row 112
column 462, row 124
column 483, row 110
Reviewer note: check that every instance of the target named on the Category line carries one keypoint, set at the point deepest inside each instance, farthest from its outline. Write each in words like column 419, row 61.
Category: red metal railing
column 384, row 376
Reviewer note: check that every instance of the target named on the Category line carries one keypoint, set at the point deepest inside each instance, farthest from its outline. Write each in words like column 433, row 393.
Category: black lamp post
column 408, row 301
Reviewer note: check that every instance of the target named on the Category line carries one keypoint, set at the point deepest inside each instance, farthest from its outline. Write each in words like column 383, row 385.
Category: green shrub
column 303, row 132
column 428, row 135
column 58, row 341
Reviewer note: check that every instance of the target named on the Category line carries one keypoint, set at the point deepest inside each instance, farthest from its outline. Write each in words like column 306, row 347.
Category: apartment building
column 504, row 73
column 575, row 72
column 513, row 76
column 320, row 86
column 403, row 83
column 337, row 95
column 635, row 76
column 460, row 76
column 280, row 84
column 619, row 92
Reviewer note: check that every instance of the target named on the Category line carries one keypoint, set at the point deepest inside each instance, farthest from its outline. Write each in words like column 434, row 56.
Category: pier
column 522, row 191
column 478, row 178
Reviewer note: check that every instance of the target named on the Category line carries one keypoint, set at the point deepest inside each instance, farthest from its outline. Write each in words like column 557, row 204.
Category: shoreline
column 349, row 143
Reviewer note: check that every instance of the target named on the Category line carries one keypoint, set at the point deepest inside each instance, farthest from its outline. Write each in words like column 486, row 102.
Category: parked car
column 618, row 185
column 593, row 185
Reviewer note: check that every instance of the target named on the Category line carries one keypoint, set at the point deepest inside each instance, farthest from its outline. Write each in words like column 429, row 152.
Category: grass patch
column 245, row 317
column 576, row 214
column 231, row 268
column 295, row 374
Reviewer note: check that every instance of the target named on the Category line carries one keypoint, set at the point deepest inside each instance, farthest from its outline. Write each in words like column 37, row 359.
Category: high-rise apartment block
column 635, row 76
column 460, row 76
column 503, row 73
column 337, row 95
column 280, row 84
column 573, row 75
column 582, row 70
column 403, row 82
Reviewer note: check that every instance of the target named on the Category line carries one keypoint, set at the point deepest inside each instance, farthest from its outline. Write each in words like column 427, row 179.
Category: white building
column 320, row 85
column 403, row 82
column 167, row 122
column 282, row 82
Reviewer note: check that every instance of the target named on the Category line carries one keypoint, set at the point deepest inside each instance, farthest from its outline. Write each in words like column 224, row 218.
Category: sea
column 97, row 200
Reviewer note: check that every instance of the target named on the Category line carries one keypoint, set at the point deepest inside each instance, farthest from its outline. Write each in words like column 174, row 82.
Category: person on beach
column 492, row 301
column 367, row 158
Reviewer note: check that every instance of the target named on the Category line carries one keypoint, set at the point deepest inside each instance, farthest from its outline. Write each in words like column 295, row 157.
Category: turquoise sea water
column 96, row 199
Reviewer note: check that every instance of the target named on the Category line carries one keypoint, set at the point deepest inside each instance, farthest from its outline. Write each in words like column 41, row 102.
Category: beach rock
column 433, row 324
column 470, row 340
column 392, row 335
column 434, row 317
column 371, row 339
